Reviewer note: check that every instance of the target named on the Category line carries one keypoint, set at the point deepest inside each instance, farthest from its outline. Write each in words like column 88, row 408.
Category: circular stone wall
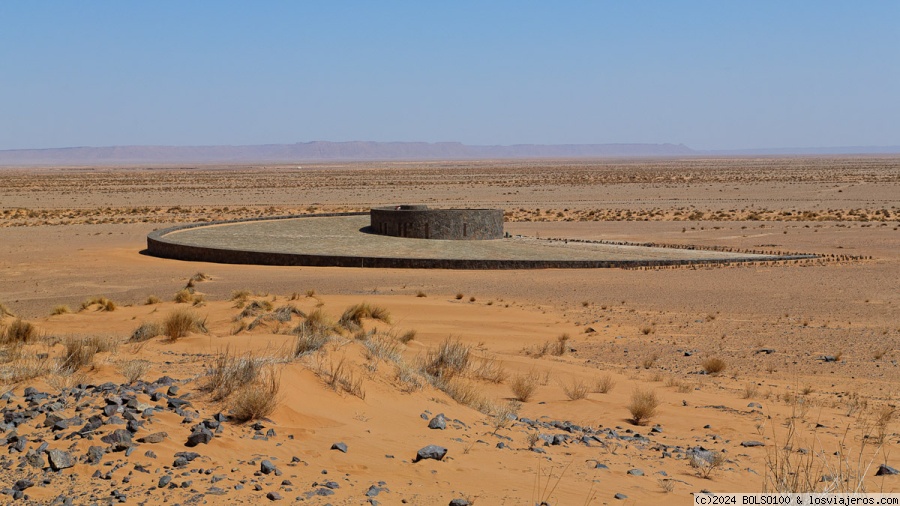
column 419, row 222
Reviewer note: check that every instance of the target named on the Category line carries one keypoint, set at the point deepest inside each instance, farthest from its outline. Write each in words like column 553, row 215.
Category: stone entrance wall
column 419, row 222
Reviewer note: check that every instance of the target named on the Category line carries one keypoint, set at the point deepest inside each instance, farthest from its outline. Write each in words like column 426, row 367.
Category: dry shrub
column 604, row 384
column 184, row 296
column 199, row 277
column 79, row 352
column 713, row 365
column 61, row 309
column 145, row 332
column 538, row 351
column 239, row 297
column 181, row 321
column 561, row 346
column 705, row 463
column 750, row 390
column 459, row 296
column 450, row 358
column 19, row 331
column 523, row 386
column 228, row 372
column 465, row 392
column 409, row 378
column 103, row 304
column 309, row 340
column 503, row 414
column 257, row 399
column 488, row 369
column 407, row 336
column 134, row 370
column 151, row 300
column 353, row 315
column 340, row 378
column 24, row 366
column 646, row 329
column 317, row 322
column 649, row 361
column 643, row 406
column 382, row 347
column 420, row 293
column 576, row 390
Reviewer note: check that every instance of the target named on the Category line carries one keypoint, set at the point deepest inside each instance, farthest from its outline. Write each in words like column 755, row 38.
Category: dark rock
column 164, row 480
column 885, row 470
column 636, row 472
column 267, row 467
column 118, row 438
column 431, row 452
column 273, row 496
column 750, row 444
column 35, row 459
column 341, row 447
column 620, row 497
column 201, row 436
column 23, row 484
column 460, row 502
column 60, row 459
column 373, row 491
column 438, row 422
column 95, row 454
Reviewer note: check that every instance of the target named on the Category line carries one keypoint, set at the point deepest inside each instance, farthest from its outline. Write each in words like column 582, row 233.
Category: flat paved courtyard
column 347, row 236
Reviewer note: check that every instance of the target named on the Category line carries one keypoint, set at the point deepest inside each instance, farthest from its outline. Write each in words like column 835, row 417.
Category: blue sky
column 709, row 74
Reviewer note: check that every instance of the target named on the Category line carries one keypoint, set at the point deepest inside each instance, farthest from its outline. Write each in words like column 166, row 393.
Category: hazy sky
column 712, row 75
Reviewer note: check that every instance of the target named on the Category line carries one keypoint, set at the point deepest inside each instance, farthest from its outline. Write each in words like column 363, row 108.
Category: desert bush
column 604, row 384
column 459, row 296
column 561, row 346
column 181, row 321
column 228, row 372
column 353, row 315
column 523, row 386
column 503, row 414
column 575, row 390
column 464, row 392
column 646, row 329
column 151, row 300
column 257, row 399
column 420, row 293
column 183, row 296
column 19, row 331
column 407, row 336
column 750, row 390
column 649, row 361
column 450, row 358
column 707, row 463
column 24, row 366
column 134, row 370
column 713, row 365
column 309, row 340
column 103, row 304
column 488, row 369
column 317, row 322
column 409, row 378
column 79, row 352
column 340, row 378
column 643, row 406
column 61, row 309
column 145, row 332
column 382, row 347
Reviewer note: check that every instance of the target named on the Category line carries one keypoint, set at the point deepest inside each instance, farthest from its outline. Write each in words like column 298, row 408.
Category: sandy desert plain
column 750, row 378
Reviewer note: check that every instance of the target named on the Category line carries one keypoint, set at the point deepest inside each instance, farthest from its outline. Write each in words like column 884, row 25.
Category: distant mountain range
column 319, row 151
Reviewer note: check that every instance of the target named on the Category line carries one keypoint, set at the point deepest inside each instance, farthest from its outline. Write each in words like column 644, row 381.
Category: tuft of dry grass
column 181, row 321
column 713, row 365
column 459, row 296
column 409, row 378
column 257, row 399
column 488, row 369
column 750, row 390
column 200, row 277
column 604, row 384
column 19, row 331
column 503, row 414
column 450, row 358
column 317, row 322
column 309, row 339
column 523, row 386
column 407, row 336
column 79, row 352
column 61, row 309
column 228, row 373
column 643, row 406
column 420, row 293
column 103, row 304
column 146, row 331
column 382, row 347
column 464, row 392
column 649, row 361
column 183, row 296
column 134, row 370
column 575, row 390
column 24, row 366
column 353, row 315
column 706, row 464
column 561, row 346
column 151, row 300
column 340, row 377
